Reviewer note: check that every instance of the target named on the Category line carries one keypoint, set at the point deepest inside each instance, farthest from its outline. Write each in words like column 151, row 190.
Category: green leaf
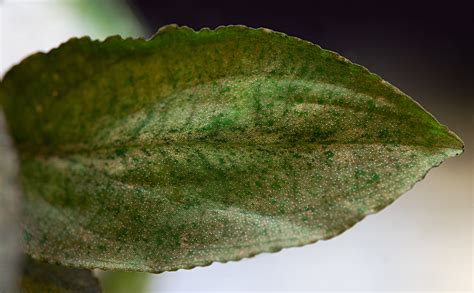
column 10, row 231
column 42, row 277
column 196, row 147
column 124, row 282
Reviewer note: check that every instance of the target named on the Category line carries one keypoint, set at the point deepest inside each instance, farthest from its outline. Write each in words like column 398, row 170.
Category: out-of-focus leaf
column 105, row 17
column 124, row 282
column 10, row 242
column 41, row 277
column 196, row 147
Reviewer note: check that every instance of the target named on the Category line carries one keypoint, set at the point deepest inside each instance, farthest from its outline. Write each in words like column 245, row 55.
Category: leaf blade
column 209, row 146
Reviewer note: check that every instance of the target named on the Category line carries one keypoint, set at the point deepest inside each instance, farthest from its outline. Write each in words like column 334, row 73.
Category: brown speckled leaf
column 196, row 147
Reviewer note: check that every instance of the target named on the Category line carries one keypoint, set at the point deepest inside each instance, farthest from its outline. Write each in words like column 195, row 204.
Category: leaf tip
column 458, row 143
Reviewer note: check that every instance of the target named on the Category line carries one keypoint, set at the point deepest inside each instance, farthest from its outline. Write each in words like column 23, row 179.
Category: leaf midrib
column 26, row 152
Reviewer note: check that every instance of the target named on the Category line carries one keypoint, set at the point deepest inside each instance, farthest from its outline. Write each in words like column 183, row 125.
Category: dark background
column 424, row 48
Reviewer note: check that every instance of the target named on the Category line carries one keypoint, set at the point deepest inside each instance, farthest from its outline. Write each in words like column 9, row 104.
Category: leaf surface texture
column 195, row 147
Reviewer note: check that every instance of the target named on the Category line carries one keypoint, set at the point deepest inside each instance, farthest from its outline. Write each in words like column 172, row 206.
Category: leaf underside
column 195, row 147
column 42, row 277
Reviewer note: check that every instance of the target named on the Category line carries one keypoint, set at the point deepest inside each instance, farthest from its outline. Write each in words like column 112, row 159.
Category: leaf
column 10, row 249
column 42, row 277
column 124, row 282
column 196, row 147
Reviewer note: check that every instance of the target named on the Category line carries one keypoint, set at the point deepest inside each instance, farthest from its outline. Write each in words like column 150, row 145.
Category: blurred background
column 423, row 241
